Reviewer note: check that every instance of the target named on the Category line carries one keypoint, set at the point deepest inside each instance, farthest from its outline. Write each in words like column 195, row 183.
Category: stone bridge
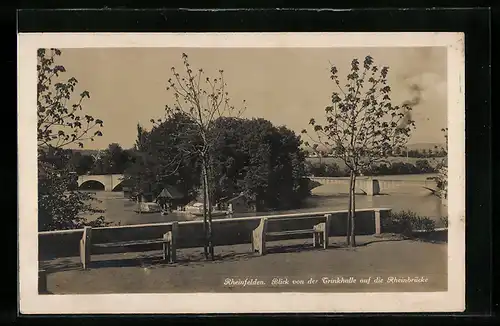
column 109, row 181
column 370, row 186
column 374, row 186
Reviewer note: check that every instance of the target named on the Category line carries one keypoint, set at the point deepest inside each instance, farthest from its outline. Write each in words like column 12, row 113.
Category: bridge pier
column 371, row 187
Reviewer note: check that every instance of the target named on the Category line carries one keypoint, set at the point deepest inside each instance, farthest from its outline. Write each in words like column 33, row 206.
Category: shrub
column 444, row 221
column 423, row 166
column 324, row 170
column 405, row 222
column 395, row 168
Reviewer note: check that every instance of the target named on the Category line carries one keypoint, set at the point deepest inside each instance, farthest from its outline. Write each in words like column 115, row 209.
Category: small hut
column 238, row 204
column 169, row 197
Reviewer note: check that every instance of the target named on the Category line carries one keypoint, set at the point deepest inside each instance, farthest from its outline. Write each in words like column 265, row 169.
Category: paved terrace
column 386, row 256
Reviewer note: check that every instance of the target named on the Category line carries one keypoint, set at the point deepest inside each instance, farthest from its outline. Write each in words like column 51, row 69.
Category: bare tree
column 203, row 100
column 362, row 127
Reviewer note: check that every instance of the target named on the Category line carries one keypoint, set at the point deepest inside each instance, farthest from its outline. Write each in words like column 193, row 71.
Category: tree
column 158, row 159
column 203, row 100
column 117, row 159
column 442, row 179
column 423, row 166
column 362, row 126
column 59, row 125
column 80, row 163
column 265, row 162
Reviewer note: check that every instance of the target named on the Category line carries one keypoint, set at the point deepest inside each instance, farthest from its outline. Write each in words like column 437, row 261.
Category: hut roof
column 170, row 192
column 241, row 195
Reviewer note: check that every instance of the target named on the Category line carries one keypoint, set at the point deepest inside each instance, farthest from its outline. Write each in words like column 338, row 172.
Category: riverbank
column 412, row 265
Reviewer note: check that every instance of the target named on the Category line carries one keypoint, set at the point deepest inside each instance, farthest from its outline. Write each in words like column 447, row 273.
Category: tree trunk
column 353, row 210
column 348, row 224
column 209, row 214
column 205, row 226
column 207, row 211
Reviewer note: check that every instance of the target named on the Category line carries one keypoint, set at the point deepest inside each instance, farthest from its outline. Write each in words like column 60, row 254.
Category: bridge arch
column 111, row 182
column 92, row 185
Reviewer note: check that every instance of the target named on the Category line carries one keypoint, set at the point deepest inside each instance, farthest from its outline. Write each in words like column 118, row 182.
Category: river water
column 120, row 210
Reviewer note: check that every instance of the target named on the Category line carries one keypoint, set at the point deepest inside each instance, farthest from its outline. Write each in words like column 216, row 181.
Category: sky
column 287, row 86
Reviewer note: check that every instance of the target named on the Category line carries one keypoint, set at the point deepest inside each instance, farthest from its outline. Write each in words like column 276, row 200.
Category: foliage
column 405, row 222
column 444, row 221
column 81, row 164
column 248, row 156
column 437, row 152
column 394, row 168
column 363, row 129
column 158, row 160
column 113, row 160
column 362, row 126
column 60, row 208
column 60, row 124
column 442, row 179
column 263, row 161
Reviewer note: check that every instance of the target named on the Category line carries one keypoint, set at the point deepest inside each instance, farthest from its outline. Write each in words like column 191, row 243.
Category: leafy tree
column 140, row 143
column 442, row 179
column 423, row 166
column 362, row 126
column 159, row 158
column 83, row 163
column 117, row 159
column 263, row 161
column 203, row 100
column 60, row 124
column 60, row 208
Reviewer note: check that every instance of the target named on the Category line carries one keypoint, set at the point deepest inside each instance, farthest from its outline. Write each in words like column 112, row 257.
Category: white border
column 32, row 303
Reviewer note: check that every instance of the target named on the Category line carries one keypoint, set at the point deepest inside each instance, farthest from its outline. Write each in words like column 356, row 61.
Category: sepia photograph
column 247, row 169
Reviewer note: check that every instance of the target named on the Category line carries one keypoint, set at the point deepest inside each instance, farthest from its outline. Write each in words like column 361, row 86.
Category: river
column 120, row 210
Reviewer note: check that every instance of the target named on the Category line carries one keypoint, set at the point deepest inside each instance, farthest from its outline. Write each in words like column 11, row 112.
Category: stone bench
column 319, row 232
column 168, row 240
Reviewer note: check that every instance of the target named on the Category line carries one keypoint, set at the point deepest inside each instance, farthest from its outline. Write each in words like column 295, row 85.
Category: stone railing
column 65, row 243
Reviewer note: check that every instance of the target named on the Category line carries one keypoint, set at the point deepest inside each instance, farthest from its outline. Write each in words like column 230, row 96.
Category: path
column 132, row 273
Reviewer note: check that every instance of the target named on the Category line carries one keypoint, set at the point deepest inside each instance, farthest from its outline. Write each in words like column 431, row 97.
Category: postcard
column 241, row 172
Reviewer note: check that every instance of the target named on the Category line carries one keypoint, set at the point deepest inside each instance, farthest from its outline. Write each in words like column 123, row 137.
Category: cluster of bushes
column 437, row 152
column 396, row 168
column 325, row 170
column 420, row 166
column 405, row 222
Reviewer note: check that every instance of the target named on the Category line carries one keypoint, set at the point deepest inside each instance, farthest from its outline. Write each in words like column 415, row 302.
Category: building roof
column 241, row 195
column 170, row 192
